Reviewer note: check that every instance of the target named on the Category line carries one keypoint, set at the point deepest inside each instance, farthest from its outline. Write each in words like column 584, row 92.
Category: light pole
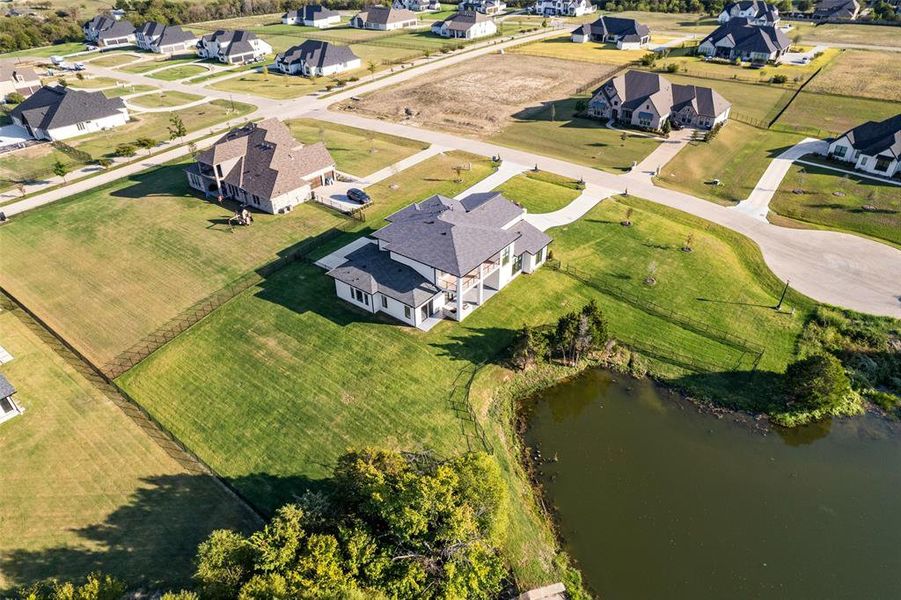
column 784, row 291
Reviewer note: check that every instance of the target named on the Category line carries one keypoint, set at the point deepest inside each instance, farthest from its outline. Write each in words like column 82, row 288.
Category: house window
column 839, row 151
column 80, row 126
column 540, row 256
column 882, row 163
column 505, row 256
column 407, row 312
column 384, row 301
column 361, row 297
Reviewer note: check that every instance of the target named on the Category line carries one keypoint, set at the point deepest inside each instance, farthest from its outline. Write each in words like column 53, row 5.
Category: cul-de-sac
column 524, row 300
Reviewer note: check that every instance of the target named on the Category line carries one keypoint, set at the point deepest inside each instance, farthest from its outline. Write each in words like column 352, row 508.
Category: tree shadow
column 477, row 345
column 151, row 540
column 756, row 391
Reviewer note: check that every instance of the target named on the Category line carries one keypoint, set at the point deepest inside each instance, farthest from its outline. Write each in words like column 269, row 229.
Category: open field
column 355, row 151
column 796, row 74
column 738, row 156
column 861, row 73
column 837, row 200
column 46, row 51
column 170, row 98
column 822, row 114
column 30, row 164
column 158, row 63
column 113, row 60
column 561, row 47
column 540, row 192
column 274, row 84
column 127, row 90
column 179, row 72
column 555, row 131
column 91, row 83
column 683, row 23
column 871, row 35
column 84, row 488
column 497, row 87
column 757, row 101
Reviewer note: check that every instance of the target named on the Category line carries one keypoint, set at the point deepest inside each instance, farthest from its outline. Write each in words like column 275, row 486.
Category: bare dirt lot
column 481, row 96
column 861, row 73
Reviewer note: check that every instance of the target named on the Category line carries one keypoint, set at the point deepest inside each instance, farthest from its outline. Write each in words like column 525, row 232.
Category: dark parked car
column 359, row 196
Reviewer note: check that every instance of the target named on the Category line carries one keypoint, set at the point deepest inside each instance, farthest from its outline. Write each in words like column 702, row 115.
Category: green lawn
column 150, row 65
column 31, row 164
column 796, row 74
column 179, row 72
column 92, row 83
column 563, row 47
column 356, row 151
column 113, row 60
column 738, row 156
column 127, row 90
column 758, row 101
column 46, row 51
column 824, row 115
column 164, row 99
column 84, row 488
column 584, row 141
column 272, row 85
column 837, row 201
column 540, row 192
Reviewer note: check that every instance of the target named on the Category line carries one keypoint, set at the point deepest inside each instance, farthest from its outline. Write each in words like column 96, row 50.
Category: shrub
column 125, row 150
column 817, row 382
column 672, row 68
column 15, row 98
column 779, row 78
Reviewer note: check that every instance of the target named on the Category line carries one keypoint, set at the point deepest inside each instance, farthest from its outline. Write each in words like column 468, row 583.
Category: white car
column 57, row 60
column 79, row 67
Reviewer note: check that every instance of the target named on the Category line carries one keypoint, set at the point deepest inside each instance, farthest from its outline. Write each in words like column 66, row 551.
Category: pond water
column 657, row 500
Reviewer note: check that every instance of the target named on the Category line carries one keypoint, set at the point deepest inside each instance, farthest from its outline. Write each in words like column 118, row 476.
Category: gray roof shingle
column 874, row 137
column 52, row 107
column 373, row 271
column 6, row 388
column 317, row 53
column 750, row 38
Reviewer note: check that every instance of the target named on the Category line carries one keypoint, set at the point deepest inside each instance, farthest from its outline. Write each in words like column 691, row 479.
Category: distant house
column 8, row 406
column 19, row 79
column 627, row 34
column 563, row 8
column 418, row 5
column 312, row 15
column 874, row 147
column 263, row 166
column 740, row 40
column 164, row 39
column 382, row 18
column 313, row 58
column 58, row 113
column 755, row 11
column 108, row 32
column 441, row 258
column 486, row 7
column 233, row 47
column 465, row 25
column 836, row 9
column 647, row 100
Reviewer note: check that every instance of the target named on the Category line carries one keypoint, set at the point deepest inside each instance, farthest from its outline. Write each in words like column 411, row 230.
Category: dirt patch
column 481, row 96
column 861, row 73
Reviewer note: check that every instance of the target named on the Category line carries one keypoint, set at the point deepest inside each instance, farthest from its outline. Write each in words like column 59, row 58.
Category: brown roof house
column 263, row 166
column 18, row 79
column 647, row 100
column 384, row 18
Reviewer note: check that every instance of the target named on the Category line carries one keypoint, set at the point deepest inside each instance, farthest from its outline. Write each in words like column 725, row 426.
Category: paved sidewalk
column 506, row 171
column 573, row 211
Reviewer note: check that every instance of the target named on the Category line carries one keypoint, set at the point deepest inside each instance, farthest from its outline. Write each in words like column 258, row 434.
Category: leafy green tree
column 817, row 382
column 60, row 169
column 97, row 586
column 15, row 98
column 125, row 150
column 579, row 333
column 180, row 595
column 177, row 127
column 530, row 347
column 146, row 143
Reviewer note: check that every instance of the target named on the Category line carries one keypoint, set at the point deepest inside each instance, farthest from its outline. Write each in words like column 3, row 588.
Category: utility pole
column 784, row 291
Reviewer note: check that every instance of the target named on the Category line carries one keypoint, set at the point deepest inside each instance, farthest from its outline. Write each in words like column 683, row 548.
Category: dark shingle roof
column 874, row 137
column 52, row 107
column 618, row 26
column 373, row 271
column 750, row 38
column 119, row 29
column 385, row 15
column 235, row 42
column 761, row 9
column 836, row 8
column 6, row 388
column 463, row 21
column 317, row 53
column 531, row 239
column 635, row 88
column 311, row 12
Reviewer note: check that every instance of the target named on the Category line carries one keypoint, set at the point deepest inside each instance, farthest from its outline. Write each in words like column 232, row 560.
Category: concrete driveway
column 11, row 135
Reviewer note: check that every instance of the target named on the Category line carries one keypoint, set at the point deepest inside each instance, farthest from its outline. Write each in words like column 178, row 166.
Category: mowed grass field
column 861, row 73
column 113, row 60
column 84, row 488
column 155, row 63
column 757, row 101
column 837, row 200
column 179, row 72
column 555, row 131
column 870, row 35
column 694, row 66
column 563, row 47
column 277, row 383
column 540, row 192
column 824, row 115
column 161, row 99
column 737, row 156
column 356, row 151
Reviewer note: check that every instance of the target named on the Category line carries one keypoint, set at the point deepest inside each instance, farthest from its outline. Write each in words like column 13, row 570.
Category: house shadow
column 155, row 182
column 150, row 541
column 477, row 345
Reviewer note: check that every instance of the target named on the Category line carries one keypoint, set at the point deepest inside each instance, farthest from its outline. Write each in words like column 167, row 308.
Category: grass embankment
column 836, row 200
column 540, row 192
column 356, row 151
column 84, row 488
column 554, row 130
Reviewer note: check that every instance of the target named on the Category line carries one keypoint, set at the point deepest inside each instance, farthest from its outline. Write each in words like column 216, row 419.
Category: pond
column 656, row 499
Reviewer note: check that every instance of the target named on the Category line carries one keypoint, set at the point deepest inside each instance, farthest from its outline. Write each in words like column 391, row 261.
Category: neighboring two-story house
column 441, row 258
column 20, row 79
column 563, row 8
column 313, row 58
column 164, row 39
column 486, row 7
column 57, row 113
column 312, row 15
column 418, row 5
column 755, row 11
column 739, row 40
column 263, row 166
column 233, row 47
column 382, row 18
column 108, row 32
column 647, row 100
column 627, row 34
column 465, row 25
column 874, row 147
column 838, row 10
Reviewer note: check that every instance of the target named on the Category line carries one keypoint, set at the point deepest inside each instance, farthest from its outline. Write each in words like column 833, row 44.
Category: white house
column 874, row 147
column 739, row 40
column 418, row 5
column 486, row 7
column 108, row 32
column 263, row 166
column 59, row 113
column 627, row 34
column 441, row 258
column 382, row 18
column 233, row 47
column 756, row 12
column 563, row 8
column 647, row 100
column 312, row 15
column 164, row 39
column 8, row 406
column 313, row 58
column 15, row 78
column 465, row 25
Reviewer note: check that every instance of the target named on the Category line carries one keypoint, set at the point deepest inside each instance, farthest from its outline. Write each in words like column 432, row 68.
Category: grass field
column 156, row 63
column 563, row 47
column 738, row 156
column 46, row 51
column 757, row 101
column 272, row 85
column 31, row 164
column 179, row 72
column 355, row 151
column 837, row 201
column 161, row 99
column 584, row 141
column 84, row 488
column 822, row 115
column 113, row 60
column 871, row 35
column 540, row 192
column 694, row 66
column 861, row 73
column 92, row 83
column 127, row 90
